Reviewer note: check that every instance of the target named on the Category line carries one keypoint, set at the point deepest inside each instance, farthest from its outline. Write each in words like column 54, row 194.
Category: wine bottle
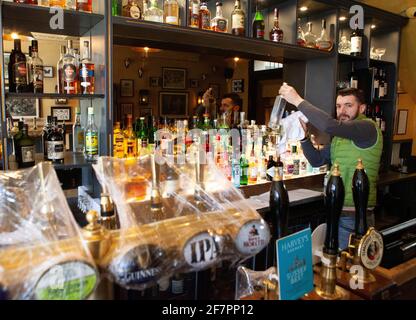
column 356, row 41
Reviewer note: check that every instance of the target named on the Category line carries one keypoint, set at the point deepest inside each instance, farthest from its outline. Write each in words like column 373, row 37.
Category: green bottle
column 258, row 25
column 141, row 134
column 244, row 170
column 91, row 138
column 115, row 7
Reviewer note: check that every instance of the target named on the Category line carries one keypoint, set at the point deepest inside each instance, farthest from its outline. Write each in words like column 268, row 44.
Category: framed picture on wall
column 154, row 82
column 48, row 72
column 26, row 108
column 173, row 104
column 126, row 108
column 126, row 88
column 173, row 78
column 402, row 122
column 62, row 113
column 237, row 86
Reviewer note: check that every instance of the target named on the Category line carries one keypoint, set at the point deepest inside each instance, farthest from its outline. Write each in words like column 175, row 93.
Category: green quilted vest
column 346, row 153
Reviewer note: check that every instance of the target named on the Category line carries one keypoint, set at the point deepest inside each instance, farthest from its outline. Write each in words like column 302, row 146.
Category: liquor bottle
column 258, row 24
column 46, row 130
column 204, row 17
column 219, row 23
column 78, row 133
column 323, row 42
column 71, row 4
column 310, row 37
column 118, row 141
column 84, row 5
column 115, row 9
column 360, row 193
column 385, row 83
column 132, row 10
column 276, row 34
column 277, row 217
column 86, row 72
column 206, row 126
column 271, row 164
column 12, row 86
column 171, row 12
column 334, row 201
column 238, row 20
column 279, row 165
column 19, row 77
column 152, row 129
column 69, row 71
column 381, row 84
column 252, row 167
column 300, row 37
column 55, row 143
column 194, row 14
column 296, row 161
column 57, row 3
column 130, row 144
column 91, row 137
column 59, row 68
column 25, row 152
column 236, row 172
column 36, row 69
column 153, row 13
column 29, row 73
column 142, row 137
column 356, row 41
column 243, row 170
column 382, row 121
column 353, row 76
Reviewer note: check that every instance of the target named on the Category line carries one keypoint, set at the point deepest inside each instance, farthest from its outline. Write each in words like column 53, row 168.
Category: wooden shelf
column 346, row 57
column 382, row 62
column 53, row 96
column 25, row 18
column 130, row 32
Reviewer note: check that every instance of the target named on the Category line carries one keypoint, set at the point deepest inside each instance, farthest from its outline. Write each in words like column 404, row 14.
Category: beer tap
column 334, row 201
column 156, row 205
column 365, row 246
column 108, row 216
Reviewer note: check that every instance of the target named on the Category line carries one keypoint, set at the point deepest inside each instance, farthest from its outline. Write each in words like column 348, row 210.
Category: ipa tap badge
column 370, row 249
column 139, row 267
column 202, row 250
column 252, row 237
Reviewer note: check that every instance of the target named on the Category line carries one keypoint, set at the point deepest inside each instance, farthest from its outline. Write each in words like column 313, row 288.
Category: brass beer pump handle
column 96, row 237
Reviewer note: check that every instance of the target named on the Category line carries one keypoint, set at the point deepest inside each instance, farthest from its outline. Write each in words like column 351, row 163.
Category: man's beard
column 347, row 117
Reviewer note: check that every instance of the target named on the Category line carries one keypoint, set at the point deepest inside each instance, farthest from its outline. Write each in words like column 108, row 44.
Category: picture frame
column 174, row 78
column 62, row 113
column 61, row 101
column 154, row 82
column 215, row 90
column 126, row 88
column 173, row 104
column 402, row 116
column 237, row 86
column 193, row 83
column 26, row 108
column 48, row 72
column 126, row 108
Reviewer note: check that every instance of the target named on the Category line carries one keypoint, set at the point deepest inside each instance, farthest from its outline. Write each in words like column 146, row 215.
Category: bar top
column 391, row 177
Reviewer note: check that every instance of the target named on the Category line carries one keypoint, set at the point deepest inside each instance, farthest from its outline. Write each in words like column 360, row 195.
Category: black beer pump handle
column 360, row 193
column 279, row 207
column 334, row 201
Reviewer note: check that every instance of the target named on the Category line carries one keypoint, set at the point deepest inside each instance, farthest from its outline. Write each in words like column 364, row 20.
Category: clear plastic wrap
column 251, row 285
column 42, row 255
column 184, row 217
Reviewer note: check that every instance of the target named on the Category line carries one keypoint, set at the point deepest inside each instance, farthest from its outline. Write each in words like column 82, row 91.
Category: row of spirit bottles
column 80, row 5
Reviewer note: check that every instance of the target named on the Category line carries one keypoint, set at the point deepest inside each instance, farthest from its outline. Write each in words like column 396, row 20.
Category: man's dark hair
column 235, row 98
column 357, row 93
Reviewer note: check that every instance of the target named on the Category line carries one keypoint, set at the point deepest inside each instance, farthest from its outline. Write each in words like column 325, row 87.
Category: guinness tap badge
column 202, row 250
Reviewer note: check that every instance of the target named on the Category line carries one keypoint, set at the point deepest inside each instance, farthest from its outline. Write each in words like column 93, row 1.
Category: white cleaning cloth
column 291, row 129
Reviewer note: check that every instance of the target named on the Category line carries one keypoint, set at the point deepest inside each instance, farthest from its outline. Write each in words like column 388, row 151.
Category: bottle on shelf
column 86, row 72
column 252, row 167
column 59, row 68
column 271, row 164
column 84, row 5
column 324, row 42
column 204, row 17
column 310, row 37
column 71, row 4
column 78, row 133
column 300, row 37
column 132, row 10
column 171, row 12
column 238, row 20
column 36, row 69
column 153, row 13
column 382, row 83
column 236, row 172
column 25, row 152
column 118, row 141
column 130, row 143
column 115, row 9
column 258, row 24
column 353, row 77
column 91, row 138
column 356, row 41
column 18, row 79
column 55, row 143
column 276, row 34
column 69, row 71
column 243, row 170
column 219, row 23
column 194, row 14
column 178, row 284
column 57, row 3
column 384, row 77
column 142, row 137
column 46, row 130
column 29, row 75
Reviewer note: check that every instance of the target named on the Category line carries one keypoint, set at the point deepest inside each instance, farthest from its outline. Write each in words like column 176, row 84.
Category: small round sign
column 370, row 249
column 252, row 237
column 202, row 250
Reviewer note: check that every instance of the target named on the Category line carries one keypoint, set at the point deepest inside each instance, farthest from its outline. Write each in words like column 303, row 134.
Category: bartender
column 230, row 103
column 354, row 136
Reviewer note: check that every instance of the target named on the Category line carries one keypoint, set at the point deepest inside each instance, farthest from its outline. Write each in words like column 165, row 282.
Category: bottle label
column 91, row 143
column 376, row 84
column 253, row 173
column 383, row 126
column 195, row 9
column 356, row 43
column 20, row 73
column 28, row 154
column 86, row 73
column 381, row 92
column 135, row 12
column 252, row 237
column 276, row 37
column 221, row 25
column 177, row 286
column 154, row 18
column 259, row 33
column 38, row 76
column 80, row 137
column 236, row 175
column 172, row 20
column 238, row 21
column 296, row 166
column 201, row 250
column 70, row 72
column 205, row 21
column 55, row 150
column 67, row 281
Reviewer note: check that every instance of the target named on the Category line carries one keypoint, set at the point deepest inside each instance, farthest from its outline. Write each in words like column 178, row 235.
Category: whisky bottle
column 300, row 37
column 69, row 71
column 86, row 70
column 238, row 20
column 118, row 141
column 323, row 42
column 310, row 37
column 194, row 14
column 276, row 34
column 130, row 144
column 55, row 143
column 132, row 10
column 171, row 12
column 91, row 138
column 84, row 5
column 258, row 24
column 25, row 149
column 78, row 133
column 204, row 17
column 36, row 69
column 153, row 13
column 219, row 23
column 360, row 193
